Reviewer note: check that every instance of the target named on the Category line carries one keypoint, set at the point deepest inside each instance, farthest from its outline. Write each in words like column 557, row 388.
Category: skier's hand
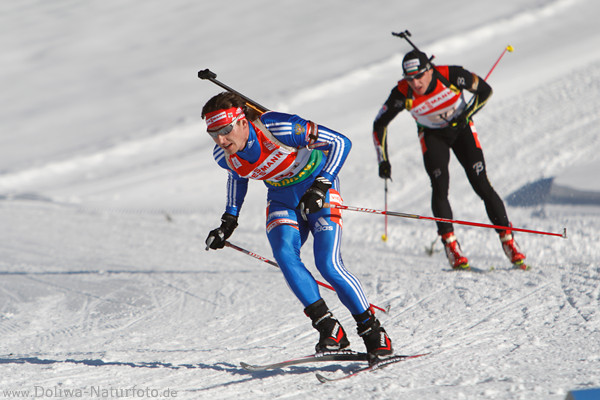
column 385, row 170
column 217, row 237
column 462, row 120
column 313, row 199
column 459, row 122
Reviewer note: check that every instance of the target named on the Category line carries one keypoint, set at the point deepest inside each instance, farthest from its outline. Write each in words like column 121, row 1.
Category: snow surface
column 108, row 190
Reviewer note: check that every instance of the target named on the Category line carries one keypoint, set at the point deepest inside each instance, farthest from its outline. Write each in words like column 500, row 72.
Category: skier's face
column 419, row 84
column 235, row 140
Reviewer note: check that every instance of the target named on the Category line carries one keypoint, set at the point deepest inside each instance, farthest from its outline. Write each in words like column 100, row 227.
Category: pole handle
column 209, row 242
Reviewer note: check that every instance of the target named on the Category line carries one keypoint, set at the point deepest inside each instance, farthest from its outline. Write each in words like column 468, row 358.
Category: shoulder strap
column 445, row 81
column 409, row 99
column 258, row 124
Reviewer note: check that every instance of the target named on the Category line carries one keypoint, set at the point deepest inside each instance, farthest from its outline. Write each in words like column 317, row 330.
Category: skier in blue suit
column 298, row 161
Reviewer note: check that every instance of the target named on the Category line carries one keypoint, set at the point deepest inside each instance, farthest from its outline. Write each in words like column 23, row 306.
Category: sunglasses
column 416, row 76
column 224, row 130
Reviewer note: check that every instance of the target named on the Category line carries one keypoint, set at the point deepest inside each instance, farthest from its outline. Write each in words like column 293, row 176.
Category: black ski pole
column 211, row 76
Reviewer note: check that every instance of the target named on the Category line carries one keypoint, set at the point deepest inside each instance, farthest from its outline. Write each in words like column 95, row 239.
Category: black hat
column 415, row 62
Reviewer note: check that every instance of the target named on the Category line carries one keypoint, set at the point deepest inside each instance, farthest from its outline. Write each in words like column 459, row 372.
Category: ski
column 479, row 270
column 471, row 269
column 513, row 267
column 341, row 355
column 518, row 266
column 371, row 367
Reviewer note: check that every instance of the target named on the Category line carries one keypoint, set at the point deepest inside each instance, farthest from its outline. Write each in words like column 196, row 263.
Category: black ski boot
column 332, row 335
column 378, row 343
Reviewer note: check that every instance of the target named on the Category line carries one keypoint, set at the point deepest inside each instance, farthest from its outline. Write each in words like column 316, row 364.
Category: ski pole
column 211, row 76
column 508, row 48
column 273, row 263
column 414, row 216
column 384, row 237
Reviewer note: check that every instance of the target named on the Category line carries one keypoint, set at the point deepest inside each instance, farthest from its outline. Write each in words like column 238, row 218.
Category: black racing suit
column 437, row 142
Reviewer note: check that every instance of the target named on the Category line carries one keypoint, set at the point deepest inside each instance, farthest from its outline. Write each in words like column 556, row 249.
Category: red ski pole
column 273, row 263
column 452, row 221
column 508, row 48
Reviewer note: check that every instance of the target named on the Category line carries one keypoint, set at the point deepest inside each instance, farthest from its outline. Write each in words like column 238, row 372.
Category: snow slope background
column 108, row 190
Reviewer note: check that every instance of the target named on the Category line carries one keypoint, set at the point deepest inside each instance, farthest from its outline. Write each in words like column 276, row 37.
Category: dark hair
column 226, row 100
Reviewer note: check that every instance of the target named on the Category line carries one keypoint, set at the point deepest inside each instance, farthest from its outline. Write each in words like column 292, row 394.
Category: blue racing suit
column 313, row 150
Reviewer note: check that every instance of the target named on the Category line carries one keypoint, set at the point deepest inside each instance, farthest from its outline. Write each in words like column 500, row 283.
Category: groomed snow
column 108, row 190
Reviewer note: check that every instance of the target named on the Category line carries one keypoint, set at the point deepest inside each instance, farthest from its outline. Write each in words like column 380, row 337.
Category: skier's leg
column 286, row 236
column 436, row 157
column 326, row 227
column 469, row 153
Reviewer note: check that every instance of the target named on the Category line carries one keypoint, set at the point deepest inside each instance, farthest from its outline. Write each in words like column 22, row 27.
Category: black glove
column 313, row 199
column 461, row 121
column 217, row 237
column 385, row 170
